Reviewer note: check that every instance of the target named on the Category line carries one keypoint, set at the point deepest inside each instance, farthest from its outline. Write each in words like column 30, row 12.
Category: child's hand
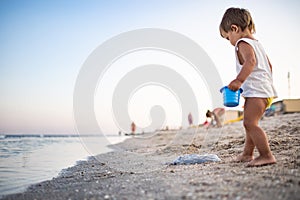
column 235, row 85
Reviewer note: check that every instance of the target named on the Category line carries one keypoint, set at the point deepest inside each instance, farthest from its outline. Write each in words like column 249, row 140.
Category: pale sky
column 45, row 43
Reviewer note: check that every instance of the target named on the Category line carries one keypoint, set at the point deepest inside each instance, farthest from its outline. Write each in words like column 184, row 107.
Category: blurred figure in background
column 217, row 116
column 190, row 119
column 133, row 127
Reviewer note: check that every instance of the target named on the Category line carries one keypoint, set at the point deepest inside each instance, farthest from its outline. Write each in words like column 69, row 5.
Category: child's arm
column 247, row 58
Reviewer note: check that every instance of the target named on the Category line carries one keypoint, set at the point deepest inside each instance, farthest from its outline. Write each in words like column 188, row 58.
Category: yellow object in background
column 235, row 120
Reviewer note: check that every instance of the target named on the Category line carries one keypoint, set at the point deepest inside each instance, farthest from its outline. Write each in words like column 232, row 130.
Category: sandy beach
column 138, row 169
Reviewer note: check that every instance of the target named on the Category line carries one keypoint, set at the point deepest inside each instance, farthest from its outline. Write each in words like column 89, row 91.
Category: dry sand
column 137, row 168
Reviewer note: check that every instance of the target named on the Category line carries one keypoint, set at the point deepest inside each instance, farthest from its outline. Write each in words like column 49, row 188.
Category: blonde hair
column 239, row 17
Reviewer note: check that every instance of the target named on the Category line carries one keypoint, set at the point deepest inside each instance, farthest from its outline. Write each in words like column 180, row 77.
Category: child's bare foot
column 243, row 158
column 262, row 161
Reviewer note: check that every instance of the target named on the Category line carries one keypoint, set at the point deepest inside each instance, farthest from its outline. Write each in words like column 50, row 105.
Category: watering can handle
column 221, row 90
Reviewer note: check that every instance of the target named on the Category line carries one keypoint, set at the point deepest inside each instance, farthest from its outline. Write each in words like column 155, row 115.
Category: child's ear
column 234, row 28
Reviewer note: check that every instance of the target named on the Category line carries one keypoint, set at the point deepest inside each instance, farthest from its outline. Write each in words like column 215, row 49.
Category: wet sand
column 137, row 168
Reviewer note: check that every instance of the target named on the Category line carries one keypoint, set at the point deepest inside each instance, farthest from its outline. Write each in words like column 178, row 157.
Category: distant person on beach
column 255, row 77
column 133, row 127
column 216, row 116
column 190, row 119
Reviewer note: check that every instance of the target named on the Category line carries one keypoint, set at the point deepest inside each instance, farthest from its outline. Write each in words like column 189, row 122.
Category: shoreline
column 28, row 165
column 137, row 169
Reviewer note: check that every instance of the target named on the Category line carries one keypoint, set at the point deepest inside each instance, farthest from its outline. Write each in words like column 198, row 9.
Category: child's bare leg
column 253, row 111
column 247, row 154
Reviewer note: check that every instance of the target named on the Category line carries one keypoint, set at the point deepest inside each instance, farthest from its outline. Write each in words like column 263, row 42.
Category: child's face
column 233, row 35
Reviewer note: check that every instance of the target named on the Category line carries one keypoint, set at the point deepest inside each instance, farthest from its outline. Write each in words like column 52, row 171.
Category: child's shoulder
column 247, row 40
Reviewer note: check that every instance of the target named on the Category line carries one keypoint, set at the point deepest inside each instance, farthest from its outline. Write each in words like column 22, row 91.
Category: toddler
column 255, row 77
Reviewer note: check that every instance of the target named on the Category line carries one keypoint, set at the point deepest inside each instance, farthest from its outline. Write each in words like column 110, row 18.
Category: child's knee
column 249, row 124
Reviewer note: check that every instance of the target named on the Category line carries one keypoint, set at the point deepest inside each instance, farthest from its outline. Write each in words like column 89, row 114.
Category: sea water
column 29, row 159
